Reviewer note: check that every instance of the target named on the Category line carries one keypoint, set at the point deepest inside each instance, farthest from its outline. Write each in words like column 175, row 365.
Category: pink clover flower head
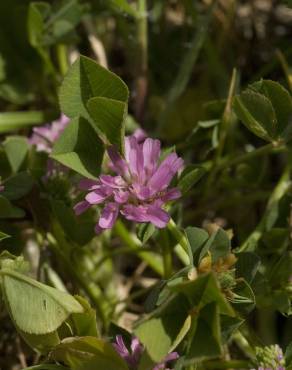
column 43, row 137
column 140, row 188
column 133, row 356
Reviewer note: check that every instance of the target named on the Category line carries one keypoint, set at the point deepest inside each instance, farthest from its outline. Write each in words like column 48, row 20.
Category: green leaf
column 87, row 79
column 34, row 307
column 206, row 342
column 218, row 245
column 41, row 343
column 17, row 186
column 203, row 290
column 257, row 114
column 36, row 14
column 125, row 7
column 247, row 265
column 79, row 148
column 243, row 297
column 17, row 263
column 47, row 367
column 85, row 322
column 196, row 238
column 145, row 231
column 229, row 325
column 7, row 210
column 280, row 270
column 64, row 18
column 281, row 101
column 288, row 355
column 108, row 116
column 79, row 229
column 190, row 176
column 161, row 333
column 16, row 149
column 88, row 353
column 3, row 236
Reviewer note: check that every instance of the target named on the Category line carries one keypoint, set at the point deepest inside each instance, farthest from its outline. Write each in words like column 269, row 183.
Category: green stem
column 227, row 116
column 152, row 259
column 62, row 58
column 263, row 150
column 11, row 121
column 285, row 67
column 267, row 327
column 166, row 255
column 243, row 344
column 231, row 364
column 182, row 248
column 280, row 189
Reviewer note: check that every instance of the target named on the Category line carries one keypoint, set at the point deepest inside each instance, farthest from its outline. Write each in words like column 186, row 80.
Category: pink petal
column 151, row 153
column 87, row 184
column 98, row 230
column 120, row 346
column 137, row 350
column 109, row 215
column 171, row 194
column 81, row 207
column 121, row 196
column 63, row 120
column 157, row 216
column 141, row 192
column 165, row 172
column 113, row 181
column 134, row 156
column 119, row 164
column 170, row 357
column 140, row 135
column 98, row 196
column 134, row 213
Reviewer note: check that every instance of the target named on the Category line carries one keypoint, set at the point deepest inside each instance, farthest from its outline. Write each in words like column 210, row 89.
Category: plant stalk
column 152, row 259
column 269, row 217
